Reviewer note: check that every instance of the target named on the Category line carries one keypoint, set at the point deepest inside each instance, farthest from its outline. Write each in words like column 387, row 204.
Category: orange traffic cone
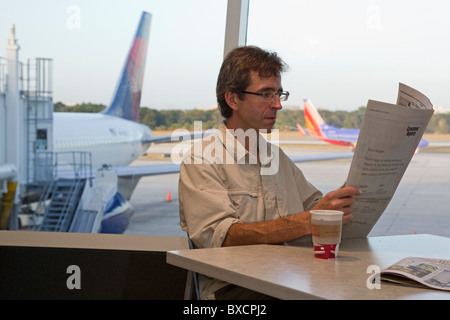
column 169, row 198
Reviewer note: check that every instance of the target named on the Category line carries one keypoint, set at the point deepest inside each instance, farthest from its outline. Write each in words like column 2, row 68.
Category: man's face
column 253, row 111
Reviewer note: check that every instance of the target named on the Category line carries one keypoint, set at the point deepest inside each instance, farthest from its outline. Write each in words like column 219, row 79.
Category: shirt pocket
column 246, row 202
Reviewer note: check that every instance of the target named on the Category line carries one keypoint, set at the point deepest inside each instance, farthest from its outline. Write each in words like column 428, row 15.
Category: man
column 227, row 197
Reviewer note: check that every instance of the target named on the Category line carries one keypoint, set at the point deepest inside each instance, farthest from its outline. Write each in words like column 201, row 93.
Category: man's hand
column 290, row 227
column 340, row 199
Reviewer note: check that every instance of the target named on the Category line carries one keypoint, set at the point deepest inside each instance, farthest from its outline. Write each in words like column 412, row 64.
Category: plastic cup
column 326, row 232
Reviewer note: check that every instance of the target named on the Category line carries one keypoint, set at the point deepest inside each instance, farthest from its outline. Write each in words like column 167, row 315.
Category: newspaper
column 389, row 137
column 434, row 273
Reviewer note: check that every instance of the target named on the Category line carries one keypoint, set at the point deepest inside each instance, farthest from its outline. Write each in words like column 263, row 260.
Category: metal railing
column 73, row 168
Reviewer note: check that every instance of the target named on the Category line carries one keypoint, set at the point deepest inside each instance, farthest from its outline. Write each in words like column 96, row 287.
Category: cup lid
column 327, row 212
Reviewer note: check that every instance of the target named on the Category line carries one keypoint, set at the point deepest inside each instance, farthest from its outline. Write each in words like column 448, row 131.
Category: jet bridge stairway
column 63, row 197
column 74, row 200
column 69, row 174
column 77, row 205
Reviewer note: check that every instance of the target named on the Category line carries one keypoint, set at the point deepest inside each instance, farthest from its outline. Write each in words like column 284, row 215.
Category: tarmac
column 421, row 204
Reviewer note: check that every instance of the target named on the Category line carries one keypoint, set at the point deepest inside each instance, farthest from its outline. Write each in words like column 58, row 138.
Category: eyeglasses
column 270, row 96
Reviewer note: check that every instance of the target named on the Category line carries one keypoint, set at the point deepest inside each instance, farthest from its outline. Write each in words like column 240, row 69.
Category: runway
column 420, row 205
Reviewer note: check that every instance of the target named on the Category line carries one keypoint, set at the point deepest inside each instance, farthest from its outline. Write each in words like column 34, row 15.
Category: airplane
column 317, row 128
column 114, row 138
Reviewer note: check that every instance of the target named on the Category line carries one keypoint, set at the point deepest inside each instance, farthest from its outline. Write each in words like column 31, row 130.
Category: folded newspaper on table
column 389, row 137
column 433, row 273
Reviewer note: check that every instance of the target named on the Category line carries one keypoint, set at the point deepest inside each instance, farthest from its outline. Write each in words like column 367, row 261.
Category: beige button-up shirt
column 221, row 183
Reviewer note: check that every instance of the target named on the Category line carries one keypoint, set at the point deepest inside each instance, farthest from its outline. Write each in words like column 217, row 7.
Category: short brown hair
column 234, row 74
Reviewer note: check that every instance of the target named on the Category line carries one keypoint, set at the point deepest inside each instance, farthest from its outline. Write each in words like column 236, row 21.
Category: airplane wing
column 146, row 170
column 129, row 176
column 177, row 137
column 322, row 157
column 167, row 168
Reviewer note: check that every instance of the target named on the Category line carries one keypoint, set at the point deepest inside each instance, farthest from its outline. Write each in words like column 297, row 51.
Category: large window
column 89, row 40
column 342, row 53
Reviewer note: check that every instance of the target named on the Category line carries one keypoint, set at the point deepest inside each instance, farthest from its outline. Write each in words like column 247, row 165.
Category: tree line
column 286, row 118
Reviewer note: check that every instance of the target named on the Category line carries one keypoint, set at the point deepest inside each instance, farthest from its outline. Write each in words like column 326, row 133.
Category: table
column 101, row 241
column 292, row 272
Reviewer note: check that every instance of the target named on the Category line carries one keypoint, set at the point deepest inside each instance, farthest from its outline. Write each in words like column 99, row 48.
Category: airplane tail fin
column 313, row 119
column 300, row 129
column 127, row 97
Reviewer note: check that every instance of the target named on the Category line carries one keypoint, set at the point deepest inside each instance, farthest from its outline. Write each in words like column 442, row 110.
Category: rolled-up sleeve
column 206, row 212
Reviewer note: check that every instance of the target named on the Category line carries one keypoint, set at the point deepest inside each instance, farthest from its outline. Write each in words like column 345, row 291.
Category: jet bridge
column 31, row 184
column 11, row 134
column 26, row 122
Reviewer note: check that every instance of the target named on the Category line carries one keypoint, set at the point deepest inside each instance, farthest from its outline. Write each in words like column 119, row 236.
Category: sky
column 339, row 53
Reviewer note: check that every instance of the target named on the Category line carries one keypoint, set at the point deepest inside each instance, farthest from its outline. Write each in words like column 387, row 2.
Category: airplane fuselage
column 316, row 127
column 110, row 140
column 338, row 136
